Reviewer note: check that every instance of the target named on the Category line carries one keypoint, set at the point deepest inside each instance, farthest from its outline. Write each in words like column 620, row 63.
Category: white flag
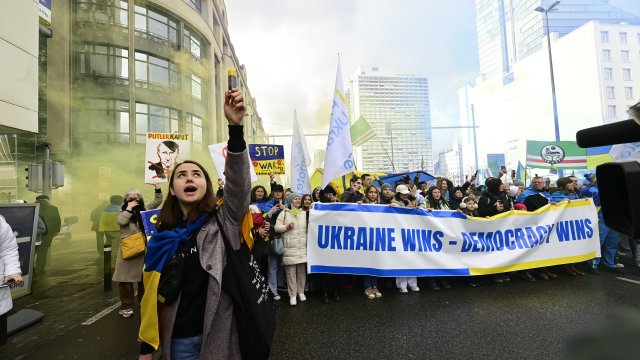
column 300, row 160
column 339, row 155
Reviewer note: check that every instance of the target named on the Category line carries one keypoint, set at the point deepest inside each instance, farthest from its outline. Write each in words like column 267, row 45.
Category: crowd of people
column 287, row 214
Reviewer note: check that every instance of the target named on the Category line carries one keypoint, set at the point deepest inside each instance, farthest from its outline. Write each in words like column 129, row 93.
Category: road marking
column 629, row 280
column 101, row 314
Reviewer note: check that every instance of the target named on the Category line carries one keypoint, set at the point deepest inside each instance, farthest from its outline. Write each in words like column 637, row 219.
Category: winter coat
column 487, row 203
column 350, row 196
column 220, row 335
column 131, row 270
column 560, row 195
column 9, row 262
column 295, row 240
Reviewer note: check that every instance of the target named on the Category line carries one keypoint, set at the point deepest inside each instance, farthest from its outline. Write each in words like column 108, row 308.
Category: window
column 611, row 92
column 194, row 128
column 623, row 37
column 152, row 71
column 611, row 111
column 624, row 55
column 152, row 118
column 196, row 87
column 102, row 62
column 195, row 4
column 608, row 73
column 105, row 12
column 628, row 92
column 606, row 55
column 626, row 74
column 193, row 43
column 101, row 120
column 604, row 36
column 156, row 26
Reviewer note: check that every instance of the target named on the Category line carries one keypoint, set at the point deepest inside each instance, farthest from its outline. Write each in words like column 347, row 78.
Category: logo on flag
column 555, row 154
column 552, row 154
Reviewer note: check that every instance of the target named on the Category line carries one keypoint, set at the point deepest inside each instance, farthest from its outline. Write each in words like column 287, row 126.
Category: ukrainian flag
column 598, row 155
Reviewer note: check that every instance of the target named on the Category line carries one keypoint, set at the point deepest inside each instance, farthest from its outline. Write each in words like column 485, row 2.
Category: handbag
column 253, row 306
column 170, row 283
column 132, row 246
column 277, row 245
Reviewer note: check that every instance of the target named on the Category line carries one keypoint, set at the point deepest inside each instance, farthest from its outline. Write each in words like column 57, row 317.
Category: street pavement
column 515, row 320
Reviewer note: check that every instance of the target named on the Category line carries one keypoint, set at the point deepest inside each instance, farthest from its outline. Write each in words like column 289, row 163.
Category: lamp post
column 545, row 12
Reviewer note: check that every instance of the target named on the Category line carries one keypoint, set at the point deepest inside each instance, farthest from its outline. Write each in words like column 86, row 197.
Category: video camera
column 618, row 183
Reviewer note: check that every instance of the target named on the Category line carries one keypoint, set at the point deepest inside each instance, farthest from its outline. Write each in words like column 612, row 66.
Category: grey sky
column 290, row 49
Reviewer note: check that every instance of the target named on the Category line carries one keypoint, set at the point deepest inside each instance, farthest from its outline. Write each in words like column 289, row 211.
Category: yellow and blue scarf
column 160, row 249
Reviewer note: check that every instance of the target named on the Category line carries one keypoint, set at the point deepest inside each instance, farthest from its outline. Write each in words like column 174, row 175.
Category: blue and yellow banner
column 149, row 220
column 381, row 240
column 267, row 158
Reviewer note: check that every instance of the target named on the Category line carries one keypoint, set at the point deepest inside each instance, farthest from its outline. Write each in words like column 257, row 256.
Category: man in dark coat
column 51, row 217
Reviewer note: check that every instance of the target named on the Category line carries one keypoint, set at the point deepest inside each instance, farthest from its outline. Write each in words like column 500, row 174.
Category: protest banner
column 149, row 220
column 381, row 240
column 267, row 158
column 219, row 155
column 164, row 151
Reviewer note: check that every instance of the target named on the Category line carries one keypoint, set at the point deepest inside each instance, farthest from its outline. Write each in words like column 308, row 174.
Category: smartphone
column 476, row 174
column 503, row 168
column 513, row 173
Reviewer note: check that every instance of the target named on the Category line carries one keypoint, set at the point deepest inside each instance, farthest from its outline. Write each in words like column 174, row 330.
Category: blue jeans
column 370, row 281
column 276, row 273
column 186, row 348
column 608, row 243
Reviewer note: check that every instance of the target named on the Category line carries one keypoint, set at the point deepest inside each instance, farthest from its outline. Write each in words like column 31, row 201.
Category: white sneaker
column 369, row 293
column 376, row 292
column 276, row 297
column 620, row 266
column 414, row 288
column 403, row 290
column 292, row 301
column 126, row 312
column 302, row 297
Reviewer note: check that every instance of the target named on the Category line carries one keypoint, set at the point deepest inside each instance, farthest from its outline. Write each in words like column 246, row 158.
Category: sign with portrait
column 164, row 151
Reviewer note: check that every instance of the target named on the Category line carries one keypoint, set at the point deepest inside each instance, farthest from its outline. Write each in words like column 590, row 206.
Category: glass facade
column 156, row 26
column 101, row 120
column 154, row 118
column 96, row 65
column 102, row 63
column 511, row 30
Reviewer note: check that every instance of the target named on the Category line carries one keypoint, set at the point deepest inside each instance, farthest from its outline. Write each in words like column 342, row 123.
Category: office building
column 396, row 105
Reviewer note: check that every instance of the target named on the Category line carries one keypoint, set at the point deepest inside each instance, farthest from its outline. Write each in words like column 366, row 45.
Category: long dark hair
column 253, row 193
column 171, row 212
column 433, row 203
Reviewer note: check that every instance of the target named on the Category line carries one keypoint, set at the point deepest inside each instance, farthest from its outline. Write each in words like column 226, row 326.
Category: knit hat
column 385, row 186
column 519, row 207
column 292, row 196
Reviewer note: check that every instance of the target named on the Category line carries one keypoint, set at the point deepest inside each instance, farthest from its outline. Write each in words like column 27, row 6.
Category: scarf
column 160, row 249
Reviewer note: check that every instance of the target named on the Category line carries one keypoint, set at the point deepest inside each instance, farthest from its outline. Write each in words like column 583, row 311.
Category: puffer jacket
column 295, row 240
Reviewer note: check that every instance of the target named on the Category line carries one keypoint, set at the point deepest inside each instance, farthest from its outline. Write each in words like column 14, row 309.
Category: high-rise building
column 597, row 78
column 396, row 106
column 510, row 30
column 449, row 164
